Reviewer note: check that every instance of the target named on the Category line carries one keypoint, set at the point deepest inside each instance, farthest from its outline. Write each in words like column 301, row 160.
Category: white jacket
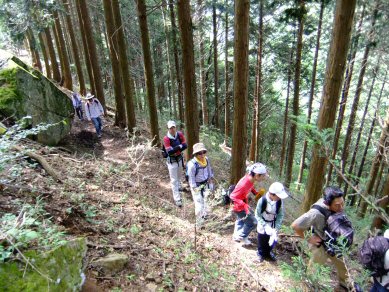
column 93, row 109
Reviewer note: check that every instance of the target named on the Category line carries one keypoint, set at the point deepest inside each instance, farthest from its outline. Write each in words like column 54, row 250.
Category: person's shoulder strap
column 264, row 204
column 179, row 136
column 278, row 206
column 322, row 210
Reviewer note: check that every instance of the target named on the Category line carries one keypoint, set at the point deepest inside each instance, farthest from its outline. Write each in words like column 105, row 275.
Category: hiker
column 269, row 214
column 77, row 104
column 200, row 178
column 374, row 255
column 94, row 111
column 332, row 201
column 174, row 143
column 246, row 221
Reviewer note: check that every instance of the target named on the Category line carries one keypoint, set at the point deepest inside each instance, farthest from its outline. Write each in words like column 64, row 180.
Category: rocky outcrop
column 25, row 91
column 60, row 269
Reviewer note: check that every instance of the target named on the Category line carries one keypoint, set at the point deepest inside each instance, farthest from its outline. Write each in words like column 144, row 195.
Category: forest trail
column 116, row 193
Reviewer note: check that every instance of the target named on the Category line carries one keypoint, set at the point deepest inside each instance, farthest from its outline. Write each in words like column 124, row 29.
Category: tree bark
column 74, row 45
column 241, row 39
column 64, row 58
column 53, row 58
column 92, row 53
column 356, row 147
column 296, row 95
column 311, row 94
column 227, row 108
column 120, row 114
column 382, row 144
column 191, row 110
column 215, row 66
column 33, row 49
column 341, row 33
column 354, row 108
column 384, row 202
column 44, row 53
column 345, row 91
column 176, row 62
column 148, row 67
column 128, row 83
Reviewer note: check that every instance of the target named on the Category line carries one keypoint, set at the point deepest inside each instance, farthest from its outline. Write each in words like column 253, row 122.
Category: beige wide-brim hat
column 89, row 96
column 198, row 147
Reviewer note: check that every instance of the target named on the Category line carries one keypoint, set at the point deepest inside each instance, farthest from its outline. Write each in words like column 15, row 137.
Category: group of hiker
column 324, row 223
column 93, row 110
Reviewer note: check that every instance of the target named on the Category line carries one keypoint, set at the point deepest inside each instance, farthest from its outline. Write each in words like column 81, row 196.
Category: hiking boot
column 260, row 259
column 99, row 135
column 272, row 257
column 179, row 204
column 246, row 241
column 236, row 238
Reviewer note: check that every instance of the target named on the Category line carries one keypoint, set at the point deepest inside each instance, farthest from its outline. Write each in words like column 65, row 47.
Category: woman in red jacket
column 246, row 221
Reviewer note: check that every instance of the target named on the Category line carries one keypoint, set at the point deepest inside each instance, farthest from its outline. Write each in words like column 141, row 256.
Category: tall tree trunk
column 286, row 113
column 337, row 54
column 215, row 66
column 92, row 54
column 257, row 91
column 296, row 95
column 34, row 50
column 345, row 91
column 128, row 83
column 173, row 86
column 384, row 202
column 362, row 123
column 88, row 62
column 148, row 65
column 203, row 83
column 74, row 45
column 44, row 53
column 359, row 174
column 120, row 116
column 259, row 83
column 191, row 110
column 227, row 123
column 382, row 144
column 354, row 108
column 176, row 62
column 53, row 58
column 311, row 94
column 65, row 66
column 239, row 136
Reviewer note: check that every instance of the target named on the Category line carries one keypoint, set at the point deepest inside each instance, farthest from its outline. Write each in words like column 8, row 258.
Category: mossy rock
column 25, row 91
column 63, row 265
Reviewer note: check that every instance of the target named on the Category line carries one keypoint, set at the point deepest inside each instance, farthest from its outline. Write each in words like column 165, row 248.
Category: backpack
column 163, row 149
column 226, row 195
column 264, row 205
column 337, row 226
column 197, row 166
column 372, row 255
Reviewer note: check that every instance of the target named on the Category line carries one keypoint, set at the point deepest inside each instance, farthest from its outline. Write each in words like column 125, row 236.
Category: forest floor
column 115, row 192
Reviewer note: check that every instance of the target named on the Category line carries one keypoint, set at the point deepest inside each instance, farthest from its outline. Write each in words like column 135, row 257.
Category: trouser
column 98, row 124
column 264, row 248
column 200, row 199
column 377, row 287
column 244, row 224
column 320, row 256
column 79, row 112
column 175, row 172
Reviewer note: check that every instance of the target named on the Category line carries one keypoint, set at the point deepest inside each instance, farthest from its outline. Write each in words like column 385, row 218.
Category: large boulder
column 60, row 269
column 25, row 91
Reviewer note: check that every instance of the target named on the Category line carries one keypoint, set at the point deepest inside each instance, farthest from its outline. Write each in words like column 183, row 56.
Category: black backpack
column 337, row 226
column 372, row 255
column 163, row 149
column 226, row 196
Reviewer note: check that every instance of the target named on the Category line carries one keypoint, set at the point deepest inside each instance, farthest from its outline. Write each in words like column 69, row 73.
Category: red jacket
column 241, row 193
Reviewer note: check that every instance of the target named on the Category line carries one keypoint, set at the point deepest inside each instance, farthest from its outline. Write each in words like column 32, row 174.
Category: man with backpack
column 173, row 144
column 374, row 256
column 317, row 219
column 200, row 176
column 269, row 214
column 94, row 111
column 246, row 221
column 77, row 105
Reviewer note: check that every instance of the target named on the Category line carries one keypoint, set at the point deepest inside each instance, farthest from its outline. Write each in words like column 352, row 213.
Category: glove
column 268, row 230
column 211, row 187
column 180, row 146
column 273, row 238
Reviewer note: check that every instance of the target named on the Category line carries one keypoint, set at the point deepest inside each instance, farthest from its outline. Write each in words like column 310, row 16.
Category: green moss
column 9, row 95
column 62, row 265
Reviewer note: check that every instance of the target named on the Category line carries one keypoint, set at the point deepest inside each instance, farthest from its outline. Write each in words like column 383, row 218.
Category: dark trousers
column 377, row 287
column 263, row 245
column 79, row 112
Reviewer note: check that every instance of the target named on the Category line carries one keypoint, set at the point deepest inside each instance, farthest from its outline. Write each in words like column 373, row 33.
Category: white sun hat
column 171, row 124
column 278, row 189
